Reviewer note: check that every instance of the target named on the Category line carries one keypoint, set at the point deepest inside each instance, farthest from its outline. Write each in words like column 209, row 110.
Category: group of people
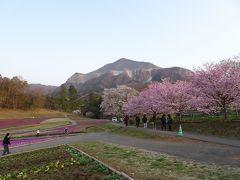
column 166, row 121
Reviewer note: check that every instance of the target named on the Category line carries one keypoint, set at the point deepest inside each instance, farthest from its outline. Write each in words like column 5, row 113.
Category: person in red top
column 6, row 142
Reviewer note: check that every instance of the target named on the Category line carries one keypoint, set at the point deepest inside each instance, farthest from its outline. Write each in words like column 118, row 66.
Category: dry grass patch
column 15, row 114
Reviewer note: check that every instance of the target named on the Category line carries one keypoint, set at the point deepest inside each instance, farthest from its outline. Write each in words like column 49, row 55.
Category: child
column 38, row 132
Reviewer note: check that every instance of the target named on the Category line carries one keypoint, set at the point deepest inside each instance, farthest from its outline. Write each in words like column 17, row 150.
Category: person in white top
column 38, row 132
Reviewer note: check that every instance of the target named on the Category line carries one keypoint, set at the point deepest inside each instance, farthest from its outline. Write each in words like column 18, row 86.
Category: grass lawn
column 230, row 129
column 141, row 164
column 138, row 133
column 105, row 127
column 205, row 124
column 77, row 117
column 60, row 162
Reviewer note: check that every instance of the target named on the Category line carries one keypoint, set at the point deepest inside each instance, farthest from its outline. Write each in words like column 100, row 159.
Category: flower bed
column 6, row 123
column 60, row 162
column 71, row 128
column 49, row 126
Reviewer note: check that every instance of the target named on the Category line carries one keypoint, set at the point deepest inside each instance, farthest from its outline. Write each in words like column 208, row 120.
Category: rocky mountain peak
column 123, row 72
column 123, row 64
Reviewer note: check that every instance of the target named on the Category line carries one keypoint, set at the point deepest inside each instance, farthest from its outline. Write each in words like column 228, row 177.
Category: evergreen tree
column 73, row 98
column 63, row 98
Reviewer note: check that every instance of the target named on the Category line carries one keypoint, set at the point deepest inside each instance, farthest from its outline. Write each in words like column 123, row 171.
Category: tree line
column 14, row 94
column 68, row 100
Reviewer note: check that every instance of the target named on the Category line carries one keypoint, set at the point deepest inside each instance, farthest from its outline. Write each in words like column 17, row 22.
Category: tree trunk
column 237, row 110
column 179, row 116
column 225, row 113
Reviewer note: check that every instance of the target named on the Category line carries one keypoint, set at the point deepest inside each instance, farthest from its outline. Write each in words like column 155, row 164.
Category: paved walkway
column 211, row 139
column 199, row 151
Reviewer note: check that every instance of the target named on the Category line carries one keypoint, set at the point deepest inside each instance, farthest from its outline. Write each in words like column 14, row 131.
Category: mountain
column 120, row 66
column 125, row 64
column 46, row 90
column 107, row 80
column 174, row 73
column 123, row 72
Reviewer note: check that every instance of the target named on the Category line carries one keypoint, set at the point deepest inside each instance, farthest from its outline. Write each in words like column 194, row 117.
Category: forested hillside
column 13, row 94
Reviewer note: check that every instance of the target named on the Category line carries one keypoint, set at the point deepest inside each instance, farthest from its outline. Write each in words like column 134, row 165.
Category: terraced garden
column 61, row 162
column 28, row 127
column 25, row 123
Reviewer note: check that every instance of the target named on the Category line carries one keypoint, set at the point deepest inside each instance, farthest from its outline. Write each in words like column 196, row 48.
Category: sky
column 47, row 41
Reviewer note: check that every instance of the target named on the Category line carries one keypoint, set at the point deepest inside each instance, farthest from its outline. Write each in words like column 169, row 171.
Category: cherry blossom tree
column 133, row 106
column 173, row 97
column 141, row 104
column 164, row 97
column 216, row 86
column 114, row 98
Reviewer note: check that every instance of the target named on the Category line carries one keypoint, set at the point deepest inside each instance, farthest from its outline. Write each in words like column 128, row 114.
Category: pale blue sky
column 46, row 41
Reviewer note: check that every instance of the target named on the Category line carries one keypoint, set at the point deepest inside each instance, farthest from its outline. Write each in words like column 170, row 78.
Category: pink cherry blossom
column 216, row 86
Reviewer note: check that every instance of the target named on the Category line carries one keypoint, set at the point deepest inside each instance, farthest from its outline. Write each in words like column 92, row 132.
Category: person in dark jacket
column 163, row 122
column 144, row 120
column 6, row 142
column 66, row 130
column 125, row 120
column 169, row 122
column 137, row 118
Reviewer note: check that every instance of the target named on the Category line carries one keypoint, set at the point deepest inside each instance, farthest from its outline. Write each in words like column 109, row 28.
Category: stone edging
column 126, row 177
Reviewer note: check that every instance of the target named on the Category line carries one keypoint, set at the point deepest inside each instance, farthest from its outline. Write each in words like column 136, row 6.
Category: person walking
column 154, row 119
column 66, row 130
column 38, row 132
column 169, row 122
column 6, row 142
column 163, row 122
column 126, row 120
column 137, row 118
column 144, row 120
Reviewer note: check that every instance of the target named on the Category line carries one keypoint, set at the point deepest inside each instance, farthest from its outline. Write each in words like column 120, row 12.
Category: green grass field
column 141, row 164
column 138, row 133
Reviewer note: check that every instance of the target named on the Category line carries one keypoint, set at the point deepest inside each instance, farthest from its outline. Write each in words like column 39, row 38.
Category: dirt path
column 199, row 151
